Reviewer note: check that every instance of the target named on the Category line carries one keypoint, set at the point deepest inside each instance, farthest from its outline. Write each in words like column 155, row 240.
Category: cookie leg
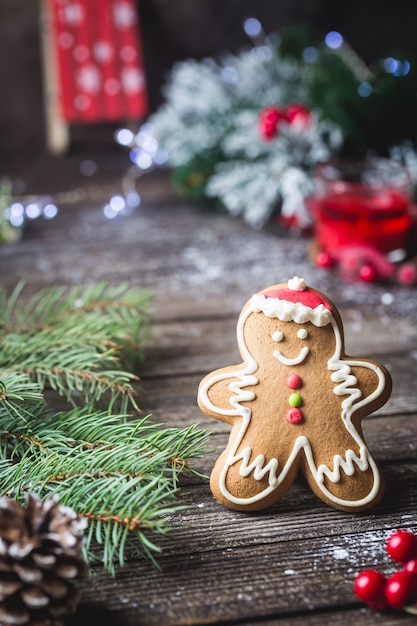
column 243, row 479
column 350, row 480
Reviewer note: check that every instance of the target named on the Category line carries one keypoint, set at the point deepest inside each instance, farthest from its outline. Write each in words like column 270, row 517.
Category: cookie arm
column 221, row 393
column 375, row 382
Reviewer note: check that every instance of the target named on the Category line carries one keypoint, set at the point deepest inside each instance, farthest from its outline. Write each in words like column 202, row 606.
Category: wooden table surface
column 296, row 562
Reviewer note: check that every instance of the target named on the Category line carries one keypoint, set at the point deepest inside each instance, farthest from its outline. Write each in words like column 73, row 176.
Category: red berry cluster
column 271, row 117
column 368, row 265
column 399, row 590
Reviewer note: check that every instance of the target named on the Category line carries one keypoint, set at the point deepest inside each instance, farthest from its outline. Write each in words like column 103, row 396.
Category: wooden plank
column 220, row 565
column 208, row 261
column 349, row 615
column 201, row 345
column 92, row 613
column 362, row 335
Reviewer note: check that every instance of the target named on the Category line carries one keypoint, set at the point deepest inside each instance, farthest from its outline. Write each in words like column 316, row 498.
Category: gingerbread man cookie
column 295, row 403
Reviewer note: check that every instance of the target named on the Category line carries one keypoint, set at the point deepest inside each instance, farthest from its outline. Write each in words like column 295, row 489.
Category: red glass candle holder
column 364, row 202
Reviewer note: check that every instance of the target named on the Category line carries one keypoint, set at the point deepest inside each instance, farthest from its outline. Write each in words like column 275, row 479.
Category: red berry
column 369, row 586
column 269, row 119
column 367, row 273
column 298, row 114
column 411, row 566
column 407, row 274
column 402, row 546
column 325, row 259
column 401, row 589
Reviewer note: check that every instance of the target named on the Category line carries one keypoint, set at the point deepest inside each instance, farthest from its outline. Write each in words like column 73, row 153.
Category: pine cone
column 40, row 558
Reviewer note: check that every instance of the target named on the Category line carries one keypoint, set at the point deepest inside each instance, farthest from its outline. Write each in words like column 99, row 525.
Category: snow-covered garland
column 214, row 116
column 245, row 132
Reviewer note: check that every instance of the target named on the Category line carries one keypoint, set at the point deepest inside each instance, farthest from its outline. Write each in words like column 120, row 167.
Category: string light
column 252, row 27
column 310, row 54
column 124, row 136
column 337, row 44
column 396, row 67
column 16, row 210
column 133, row 199
column 15, row 214
column 365, row 89
column 33, row 211
column 333, row 40
column 88, row 167
column 50, row 211
column 145, row 152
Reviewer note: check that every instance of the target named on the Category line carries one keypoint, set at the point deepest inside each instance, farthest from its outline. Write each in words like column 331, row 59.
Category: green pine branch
column 121, row 475
column 117, row 469
column 81, row 344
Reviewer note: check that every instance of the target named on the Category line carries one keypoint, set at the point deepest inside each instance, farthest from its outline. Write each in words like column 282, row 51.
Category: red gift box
column 98, row 59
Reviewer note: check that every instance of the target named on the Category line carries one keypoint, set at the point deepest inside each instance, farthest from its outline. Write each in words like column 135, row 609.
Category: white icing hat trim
column 290, row 311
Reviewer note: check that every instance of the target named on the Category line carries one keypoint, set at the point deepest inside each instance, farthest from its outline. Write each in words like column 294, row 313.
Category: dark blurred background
column 174, row 30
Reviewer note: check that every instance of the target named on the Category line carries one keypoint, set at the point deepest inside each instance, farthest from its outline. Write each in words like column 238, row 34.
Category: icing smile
column 278, row 336
column 295, row 361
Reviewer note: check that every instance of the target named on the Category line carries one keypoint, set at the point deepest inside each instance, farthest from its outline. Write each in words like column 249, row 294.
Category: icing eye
column 278, row 335
column 302, row 333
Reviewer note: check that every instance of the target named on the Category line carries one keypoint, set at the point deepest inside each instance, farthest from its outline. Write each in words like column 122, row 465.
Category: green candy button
column 295, row 399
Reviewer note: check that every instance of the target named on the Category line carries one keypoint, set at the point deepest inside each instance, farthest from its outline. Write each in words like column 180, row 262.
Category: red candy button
column 294, row 381
column 294, row 416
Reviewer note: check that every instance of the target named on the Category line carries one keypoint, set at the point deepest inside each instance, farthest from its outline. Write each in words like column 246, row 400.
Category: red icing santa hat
column 297, row 303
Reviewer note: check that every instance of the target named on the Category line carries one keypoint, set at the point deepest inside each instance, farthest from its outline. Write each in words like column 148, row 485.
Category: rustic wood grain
column 222, row 566
column 295, row 563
